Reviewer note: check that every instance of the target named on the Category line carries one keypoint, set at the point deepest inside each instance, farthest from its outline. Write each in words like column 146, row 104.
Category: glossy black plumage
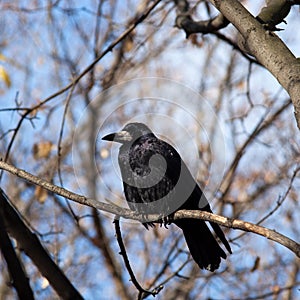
column 157, row 181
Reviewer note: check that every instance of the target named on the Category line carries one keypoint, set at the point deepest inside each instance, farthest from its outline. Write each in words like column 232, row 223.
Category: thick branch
column 30, row 244
column 17, row 274
column 267, row 47
column 128, row 214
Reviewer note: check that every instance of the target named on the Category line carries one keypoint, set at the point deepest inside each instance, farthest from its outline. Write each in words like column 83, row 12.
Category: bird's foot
column 166, row 220
column 148, row 224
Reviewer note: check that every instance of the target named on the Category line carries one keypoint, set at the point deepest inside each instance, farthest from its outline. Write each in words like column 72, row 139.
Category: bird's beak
column 119, row 137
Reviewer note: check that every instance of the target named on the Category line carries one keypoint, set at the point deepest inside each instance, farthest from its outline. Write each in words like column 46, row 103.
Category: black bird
column 157, row 181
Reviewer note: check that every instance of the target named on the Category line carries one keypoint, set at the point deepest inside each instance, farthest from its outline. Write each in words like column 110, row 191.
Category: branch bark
column 30, row 244
column 243, row 225
column 142, row 292
column 128, row 214
column 267, row 47
column 16, row 272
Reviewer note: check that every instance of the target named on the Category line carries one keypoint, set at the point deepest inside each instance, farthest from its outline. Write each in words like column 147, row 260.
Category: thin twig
column 270, row 295
column 167, row 263
column 142, row 291
column 135, row 22
column 59, row 154
column 278, row 204
column 259, row 128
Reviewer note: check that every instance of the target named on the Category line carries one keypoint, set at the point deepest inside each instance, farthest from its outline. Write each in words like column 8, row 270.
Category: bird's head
column 130, row 133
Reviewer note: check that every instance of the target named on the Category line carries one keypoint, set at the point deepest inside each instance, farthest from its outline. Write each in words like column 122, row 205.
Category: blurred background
column 227, row 116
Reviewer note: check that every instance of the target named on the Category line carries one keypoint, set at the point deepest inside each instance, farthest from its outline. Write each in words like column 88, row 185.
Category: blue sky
column 34, row 54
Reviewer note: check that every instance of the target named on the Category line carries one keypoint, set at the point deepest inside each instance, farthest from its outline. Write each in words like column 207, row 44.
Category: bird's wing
column 170, row 182
column 156, row 159
column 192, row 195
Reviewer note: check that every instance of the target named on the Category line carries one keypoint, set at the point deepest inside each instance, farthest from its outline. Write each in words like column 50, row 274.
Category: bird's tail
column 203, row 247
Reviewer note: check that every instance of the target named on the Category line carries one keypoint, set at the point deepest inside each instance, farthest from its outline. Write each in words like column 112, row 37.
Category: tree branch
column 267, row 47
column 142, row 292
column 243, row 225
column 30, row 244
column 16, row 272
column 133, row 24
column 255, row 38
column 128, row 214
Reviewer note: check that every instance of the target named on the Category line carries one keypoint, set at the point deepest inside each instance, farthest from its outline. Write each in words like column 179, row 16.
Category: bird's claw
column 167, row 220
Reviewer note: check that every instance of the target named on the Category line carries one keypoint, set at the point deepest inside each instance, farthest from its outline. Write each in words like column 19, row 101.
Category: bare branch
column 109, row 256
column 17, row 274
column 273, row 294
column 260, row 127
column 134, row 23
column 128, row 214
column 142, row 292
column 243, row 225
column 267, row 47
column 278, row 203
column 31, row 245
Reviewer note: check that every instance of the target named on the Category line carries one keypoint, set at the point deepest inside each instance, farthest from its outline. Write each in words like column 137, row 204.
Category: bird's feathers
column 157, row 181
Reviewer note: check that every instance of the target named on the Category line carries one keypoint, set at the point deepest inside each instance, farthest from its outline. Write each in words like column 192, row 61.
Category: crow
column 157, row 181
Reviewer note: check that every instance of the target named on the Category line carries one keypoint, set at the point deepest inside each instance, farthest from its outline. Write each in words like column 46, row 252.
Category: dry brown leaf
column 129, row 43
column 42, row 149
column 5, row 77
column 41, row 194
